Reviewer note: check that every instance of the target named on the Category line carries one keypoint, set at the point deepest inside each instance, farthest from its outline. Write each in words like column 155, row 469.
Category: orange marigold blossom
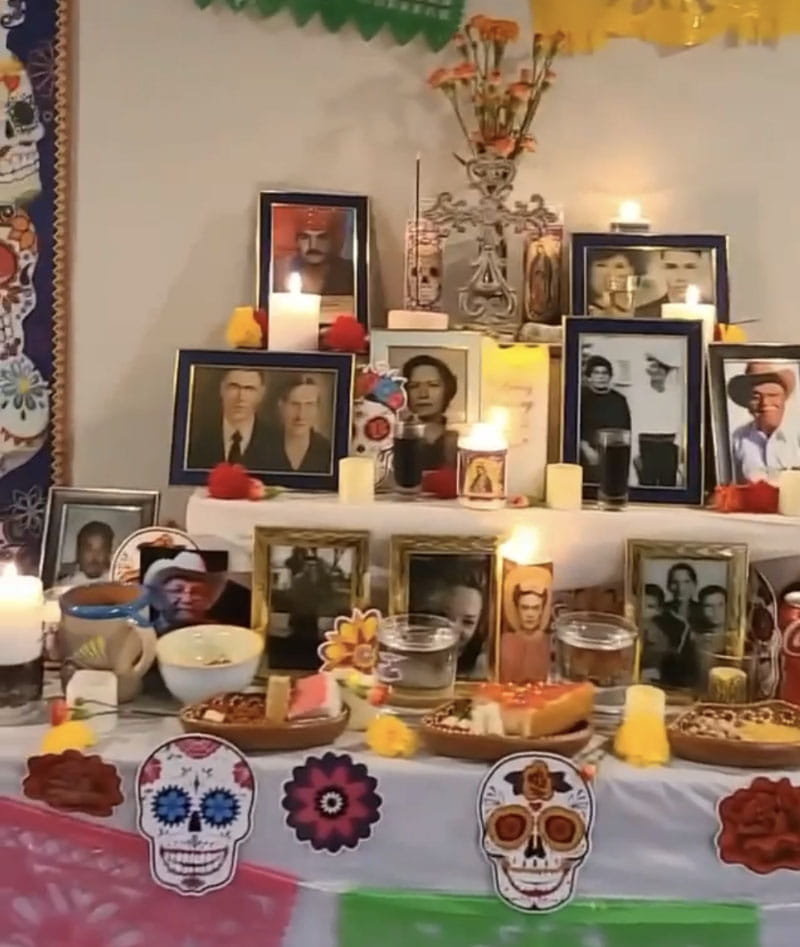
column 502, row 146
column 477, row 22
column 505, row 31
column 464, row 70
column 519, row 90
column 439, row 77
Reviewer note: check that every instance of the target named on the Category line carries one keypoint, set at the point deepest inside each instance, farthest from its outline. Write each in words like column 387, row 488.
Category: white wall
column 184, row 114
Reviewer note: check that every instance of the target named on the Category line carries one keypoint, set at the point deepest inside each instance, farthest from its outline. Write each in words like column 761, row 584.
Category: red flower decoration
column 331, row 802
column 198, row 748
column 760, row 826
column 346, row 335
column 229, row 482
column 151, row 771
column 72, row 782
column 759, row 497
column 441, row 483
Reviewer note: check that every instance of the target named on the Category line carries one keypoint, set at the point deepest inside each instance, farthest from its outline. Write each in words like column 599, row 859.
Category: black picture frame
column 188, row 360
column 265, row 243
column 691, row 493
column 718, row 354
column 583, row 243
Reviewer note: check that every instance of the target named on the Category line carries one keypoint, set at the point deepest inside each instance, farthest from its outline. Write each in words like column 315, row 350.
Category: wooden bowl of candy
column 291, row 715
column 758, row 735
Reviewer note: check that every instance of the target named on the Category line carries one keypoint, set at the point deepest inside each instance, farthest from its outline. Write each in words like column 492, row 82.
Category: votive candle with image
column 482, row 467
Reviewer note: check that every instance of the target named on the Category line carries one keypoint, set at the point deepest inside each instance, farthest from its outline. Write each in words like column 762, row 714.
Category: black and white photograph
column 191, row 587
column 324, row 240
column 279, row 415
column 686, row 602
column 636, row 274
column 643, row 378
column 302, row 582
column 454, row 578
column 84, row 528
column 756, row 410
column 443, row 377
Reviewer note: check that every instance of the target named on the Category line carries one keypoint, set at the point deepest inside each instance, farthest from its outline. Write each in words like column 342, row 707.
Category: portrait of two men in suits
column 269, row 420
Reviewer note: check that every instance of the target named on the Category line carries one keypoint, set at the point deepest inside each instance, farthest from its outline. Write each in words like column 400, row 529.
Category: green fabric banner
column 436, row 20
column 408, row 919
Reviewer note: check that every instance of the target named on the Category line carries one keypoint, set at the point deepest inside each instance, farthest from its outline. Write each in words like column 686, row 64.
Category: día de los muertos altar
column 33, row 182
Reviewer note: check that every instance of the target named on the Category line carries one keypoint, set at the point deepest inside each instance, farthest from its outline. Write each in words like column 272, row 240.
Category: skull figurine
column 20, row 182
column 536, row 812
column 195, row 799
column 423, row 266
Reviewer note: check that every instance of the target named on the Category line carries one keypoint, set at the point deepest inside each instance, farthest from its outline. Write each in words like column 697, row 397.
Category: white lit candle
column 21, row 614
column 482, row 466
column 564, row 487
column 693, row 309
column 789, row 493
column 629, row 219
column 356, row 479
column 294, row 319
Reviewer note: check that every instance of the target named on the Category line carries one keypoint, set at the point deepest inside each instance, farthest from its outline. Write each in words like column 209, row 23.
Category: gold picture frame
column 265, row 539
column 401, row 549
column 698, row 630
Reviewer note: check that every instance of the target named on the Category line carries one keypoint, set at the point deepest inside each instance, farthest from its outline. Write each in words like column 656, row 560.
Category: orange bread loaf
column 540, row 710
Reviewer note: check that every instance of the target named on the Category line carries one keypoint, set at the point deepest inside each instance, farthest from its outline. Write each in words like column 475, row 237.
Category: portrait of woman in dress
column 431, row 387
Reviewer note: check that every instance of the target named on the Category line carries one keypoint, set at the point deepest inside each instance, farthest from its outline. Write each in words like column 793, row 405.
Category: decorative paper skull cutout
column 22, row 132
column 379, row 396
column 19, row 255
column 424, row 266
column 195, row 798
column 24, row 411
column 536, row 813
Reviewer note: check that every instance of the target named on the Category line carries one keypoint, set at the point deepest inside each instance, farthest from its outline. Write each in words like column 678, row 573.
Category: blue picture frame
column 690, row 493
column 356, row 243
column 582, row 245
column 183, row 471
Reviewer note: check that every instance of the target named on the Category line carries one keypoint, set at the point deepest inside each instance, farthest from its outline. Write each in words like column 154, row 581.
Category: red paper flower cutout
column 441, row 483
column 229, row 482
column 759, row 497
column 346, row 335
column 72, row 782
column 760, row 826
column 331, row 802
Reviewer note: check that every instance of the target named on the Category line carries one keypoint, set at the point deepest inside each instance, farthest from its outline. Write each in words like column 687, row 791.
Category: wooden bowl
column 265, row 736
column 447, row 741
column 691, row 736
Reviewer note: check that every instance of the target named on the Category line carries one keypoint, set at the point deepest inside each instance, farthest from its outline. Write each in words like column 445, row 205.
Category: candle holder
column 21, row 685
column 21, row 647
column 482, row 468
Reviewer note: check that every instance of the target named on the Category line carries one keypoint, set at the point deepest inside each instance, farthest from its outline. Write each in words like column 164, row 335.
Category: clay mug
column 106, row 626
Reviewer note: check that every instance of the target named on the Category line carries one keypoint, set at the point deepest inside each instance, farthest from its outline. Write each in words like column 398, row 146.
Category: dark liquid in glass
column 615, row 463
column 407, row 460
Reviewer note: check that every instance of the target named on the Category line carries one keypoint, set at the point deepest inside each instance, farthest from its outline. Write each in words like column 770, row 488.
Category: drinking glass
column 614, row 448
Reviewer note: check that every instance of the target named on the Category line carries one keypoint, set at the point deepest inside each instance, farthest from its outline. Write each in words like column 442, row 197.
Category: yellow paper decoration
column 589, row 24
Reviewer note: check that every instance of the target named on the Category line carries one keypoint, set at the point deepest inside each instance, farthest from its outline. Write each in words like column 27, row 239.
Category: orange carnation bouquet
column 503, row 108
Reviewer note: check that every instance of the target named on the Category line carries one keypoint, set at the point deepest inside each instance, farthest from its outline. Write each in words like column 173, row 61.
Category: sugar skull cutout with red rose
column 536, row 812
column 195, row 799
column 380, row 396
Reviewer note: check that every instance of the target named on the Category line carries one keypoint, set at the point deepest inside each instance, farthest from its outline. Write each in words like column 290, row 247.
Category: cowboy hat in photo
column 663, row 355
column 740, row 387
column 186, row 565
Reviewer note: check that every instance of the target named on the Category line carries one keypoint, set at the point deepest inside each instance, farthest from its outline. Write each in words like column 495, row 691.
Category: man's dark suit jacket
column 207, row 448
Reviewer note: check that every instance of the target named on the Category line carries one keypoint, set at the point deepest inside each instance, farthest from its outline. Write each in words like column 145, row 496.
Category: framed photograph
column 621, row 274
column 303, row 580
column 689, row 601
column 646, row 377
column 455, row 577
column 284, row 415
column 526, row 606
column 755, row 405
column 84, row 528
column 443, row 382
column 324, row 238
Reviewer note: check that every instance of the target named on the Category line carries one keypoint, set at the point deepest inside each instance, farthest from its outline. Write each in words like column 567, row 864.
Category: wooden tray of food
column 446, row 732
column 245, row 725
column 762, row 735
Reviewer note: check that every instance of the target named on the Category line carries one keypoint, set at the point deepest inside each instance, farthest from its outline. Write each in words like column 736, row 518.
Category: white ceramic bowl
column 184, row 656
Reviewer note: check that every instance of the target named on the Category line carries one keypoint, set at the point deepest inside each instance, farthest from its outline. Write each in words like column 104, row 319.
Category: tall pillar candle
column 356, row 479
column 294, row 319
column 693, row 309
column 789, row 493
column 564, row 487
column 21, row 659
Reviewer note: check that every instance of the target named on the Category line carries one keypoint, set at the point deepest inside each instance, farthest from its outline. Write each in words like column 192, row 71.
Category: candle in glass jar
column 693, row 309
column 21, row 614
column 789, row 493
column 294, row 319
column 356, row 479
column 482, row 463
column 564, row 486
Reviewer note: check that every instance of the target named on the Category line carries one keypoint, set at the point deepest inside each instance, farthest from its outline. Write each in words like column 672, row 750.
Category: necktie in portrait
column 235, row 450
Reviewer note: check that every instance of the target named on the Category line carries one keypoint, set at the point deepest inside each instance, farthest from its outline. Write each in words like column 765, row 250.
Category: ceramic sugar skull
column 536, row 814
column 195, row 798
column 18, row 258
column 22, row 131
column 379, row 396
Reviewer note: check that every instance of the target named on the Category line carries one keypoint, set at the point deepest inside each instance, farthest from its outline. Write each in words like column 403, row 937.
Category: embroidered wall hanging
column 33, row 291
column 436, row 20
column 589, row 24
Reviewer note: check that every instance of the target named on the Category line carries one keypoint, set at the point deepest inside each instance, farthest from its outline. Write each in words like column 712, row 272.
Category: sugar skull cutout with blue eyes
column 195, row 800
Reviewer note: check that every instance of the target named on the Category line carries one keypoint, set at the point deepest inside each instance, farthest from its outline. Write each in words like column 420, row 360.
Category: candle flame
column 294, row 283
column 499, row 418
column 630, row 212
column 523, row 546
column 483, row 436
column 692, row 295
column 10, row 571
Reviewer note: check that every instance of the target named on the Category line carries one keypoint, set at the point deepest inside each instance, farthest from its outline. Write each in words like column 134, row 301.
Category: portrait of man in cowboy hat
column 657, row 417
column 769, row 442
column 183, row 590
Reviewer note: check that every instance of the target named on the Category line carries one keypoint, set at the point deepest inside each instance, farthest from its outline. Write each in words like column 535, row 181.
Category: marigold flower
column 505, row 31
column 464, row 70
column 387, row 735
column 440, row 77
column 519, row 90
column 528, row 143
column 478, row 22
column 502, row 146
